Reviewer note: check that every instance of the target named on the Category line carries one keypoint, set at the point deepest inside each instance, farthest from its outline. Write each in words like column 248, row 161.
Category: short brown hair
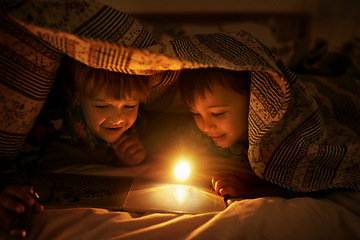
column 87, row 81
column 194, row 82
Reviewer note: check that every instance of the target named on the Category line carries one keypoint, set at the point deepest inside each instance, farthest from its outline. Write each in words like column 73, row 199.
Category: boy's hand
column 129, row 149
column 234, row 186
column 13, row 200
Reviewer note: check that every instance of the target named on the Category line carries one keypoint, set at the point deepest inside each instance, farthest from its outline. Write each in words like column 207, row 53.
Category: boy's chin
column 223, row 144
column 111, row 136
column 229, row 142
column 110, row 140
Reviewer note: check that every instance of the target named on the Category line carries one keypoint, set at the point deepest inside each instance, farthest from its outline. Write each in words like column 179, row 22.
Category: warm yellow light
column 182, row 171
column 181, row 193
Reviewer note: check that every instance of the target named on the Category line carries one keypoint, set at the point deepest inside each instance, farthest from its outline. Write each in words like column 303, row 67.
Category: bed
column 332, row 80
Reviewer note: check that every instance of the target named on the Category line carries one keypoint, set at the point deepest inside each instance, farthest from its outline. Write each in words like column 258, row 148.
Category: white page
column 150, row 196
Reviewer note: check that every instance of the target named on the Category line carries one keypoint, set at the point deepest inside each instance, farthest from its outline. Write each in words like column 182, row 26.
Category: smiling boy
column 219, row 101
column 100, row 116
column 222, row 114
column 105, row 109
column 109, row 118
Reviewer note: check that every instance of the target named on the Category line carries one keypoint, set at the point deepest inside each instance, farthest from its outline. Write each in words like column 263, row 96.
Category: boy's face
column 108, row 118
column 223, row 115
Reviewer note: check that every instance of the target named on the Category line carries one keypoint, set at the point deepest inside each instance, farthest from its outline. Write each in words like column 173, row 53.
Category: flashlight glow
column 182, row 171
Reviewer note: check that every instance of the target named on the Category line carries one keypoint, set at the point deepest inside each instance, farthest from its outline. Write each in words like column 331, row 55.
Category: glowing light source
column 182, row 171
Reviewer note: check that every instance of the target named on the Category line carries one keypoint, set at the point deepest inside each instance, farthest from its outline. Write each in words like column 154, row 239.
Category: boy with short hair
column 102, row 113
column 219, row 101
column 105, row 108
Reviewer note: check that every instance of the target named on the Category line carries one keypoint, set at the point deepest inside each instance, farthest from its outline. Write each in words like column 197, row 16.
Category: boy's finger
column 222, row 177
column 12, row 204
column 220, row 184
column 125, row 142
column 37, row 208
column 119, row 141
column 138, row 156
column 227, row 190
column 19, row 192
column 130, row 149
column 219, row 177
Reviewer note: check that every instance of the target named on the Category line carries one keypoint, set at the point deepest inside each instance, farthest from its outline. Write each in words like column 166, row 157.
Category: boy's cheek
column 198, row 124
column 132, row 120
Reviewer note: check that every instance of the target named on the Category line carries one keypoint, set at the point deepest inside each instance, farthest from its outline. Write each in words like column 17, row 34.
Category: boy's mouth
column 218, row 138
column 112, row 129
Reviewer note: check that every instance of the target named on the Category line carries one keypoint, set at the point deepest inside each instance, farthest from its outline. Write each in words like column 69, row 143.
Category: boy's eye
column 129, row 106
column 218, row 114
column 101, row 106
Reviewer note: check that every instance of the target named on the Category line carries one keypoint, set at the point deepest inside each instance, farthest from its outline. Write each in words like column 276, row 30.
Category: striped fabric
column 25, row 82
column 28, row 64
column 287, row 131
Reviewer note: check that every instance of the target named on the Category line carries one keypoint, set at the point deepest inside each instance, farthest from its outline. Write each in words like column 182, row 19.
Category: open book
column 58, row 190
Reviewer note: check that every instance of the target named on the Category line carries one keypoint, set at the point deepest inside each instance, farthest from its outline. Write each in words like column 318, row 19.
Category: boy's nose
column 117, row 118
column 208, row 126
column 119, row 123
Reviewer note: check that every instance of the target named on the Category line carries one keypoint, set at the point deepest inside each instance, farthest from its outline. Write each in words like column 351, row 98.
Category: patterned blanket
column 287, row 132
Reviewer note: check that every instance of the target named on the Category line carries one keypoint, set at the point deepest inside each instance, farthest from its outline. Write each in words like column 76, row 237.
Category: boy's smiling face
column 108, row 118
column 223, row 115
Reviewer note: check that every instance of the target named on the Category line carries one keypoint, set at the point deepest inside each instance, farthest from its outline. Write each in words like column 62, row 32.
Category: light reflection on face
column 223, row 115
column 108, row 118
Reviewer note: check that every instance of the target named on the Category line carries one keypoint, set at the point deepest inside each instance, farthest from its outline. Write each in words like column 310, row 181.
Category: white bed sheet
column 336, row 216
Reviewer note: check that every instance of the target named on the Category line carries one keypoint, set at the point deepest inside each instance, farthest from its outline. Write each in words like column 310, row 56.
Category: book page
column 58, row 190
column 147, row 196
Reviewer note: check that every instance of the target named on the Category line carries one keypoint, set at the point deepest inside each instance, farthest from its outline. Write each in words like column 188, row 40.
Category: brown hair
column 195, row 82
column 87, row 81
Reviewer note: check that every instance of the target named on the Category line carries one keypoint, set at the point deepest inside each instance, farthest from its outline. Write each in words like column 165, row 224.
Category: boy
column 101, row 117
column 219, row 101
column 104, row 108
